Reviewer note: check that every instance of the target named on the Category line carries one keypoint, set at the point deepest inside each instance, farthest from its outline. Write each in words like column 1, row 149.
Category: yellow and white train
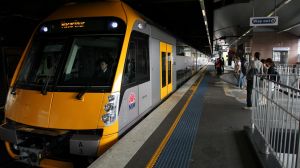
column 88, row 73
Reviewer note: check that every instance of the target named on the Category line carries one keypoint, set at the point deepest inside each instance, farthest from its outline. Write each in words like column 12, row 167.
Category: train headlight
column 111, row 98
column 44, row 29
column 108, row 107
column 114, row 25
column 108, row 118
column 111, row 109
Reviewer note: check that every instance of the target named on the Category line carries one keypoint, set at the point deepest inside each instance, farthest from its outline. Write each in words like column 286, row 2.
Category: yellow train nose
column 60, row 110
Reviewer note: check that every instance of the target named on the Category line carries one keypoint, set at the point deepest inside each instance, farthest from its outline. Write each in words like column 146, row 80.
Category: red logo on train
column 131, row 100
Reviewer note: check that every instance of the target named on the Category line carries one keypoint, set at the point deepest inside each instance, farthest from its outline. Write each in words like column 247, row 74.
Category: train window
column 179, row 50
column 163, row 69
column 143, row 73
column 169, row 68
column 130, row 65
column 137, row 59
column 42, row 62
column 92, row 61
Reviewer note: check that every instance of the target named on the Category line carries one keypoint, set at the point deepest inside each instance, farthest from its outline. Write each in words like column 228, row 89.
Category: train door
column 165, row 69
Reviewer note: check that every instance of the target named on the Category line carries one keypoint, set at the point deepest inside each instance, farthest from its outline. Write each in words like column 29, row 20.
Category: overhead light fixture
column 205, row 22
column 287, row 1
column 279, row 6
column 203, row 13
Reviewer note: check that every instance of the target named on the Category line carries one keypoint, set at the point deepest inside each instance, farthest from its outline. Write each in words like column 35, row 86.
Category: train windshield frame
column 72, row 60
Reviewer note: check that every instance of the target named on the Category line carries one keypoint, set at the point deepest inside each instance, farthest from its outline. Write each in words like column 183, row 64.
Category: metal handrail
column 276, row 116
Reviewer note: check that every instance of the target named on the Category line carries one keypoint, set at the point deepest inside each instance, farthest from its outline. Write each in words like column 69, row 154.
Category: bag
column 274, row 75
column 251, row 73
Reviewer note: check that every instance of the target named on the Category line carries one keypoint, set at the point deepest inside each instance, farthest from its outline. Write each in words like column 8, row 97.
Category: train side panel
column 140, row 99
column 154, row 70
column 174, row 78
column 157, row 37
column 136, row 94
column 144, row 93
column 129, row 108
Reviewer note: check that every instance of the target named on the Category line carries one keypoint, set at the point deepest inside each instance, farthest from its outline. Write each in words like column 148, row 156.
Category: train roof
column 94, row 9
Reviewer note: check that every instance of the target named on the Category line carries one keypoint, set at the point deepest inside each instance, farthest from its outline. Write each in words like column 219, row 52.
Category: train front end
column 64, row 98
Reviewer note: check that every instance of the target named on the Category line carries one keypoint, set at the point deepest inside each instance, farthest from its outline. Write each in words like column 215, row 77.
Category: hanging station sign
column 264, row 21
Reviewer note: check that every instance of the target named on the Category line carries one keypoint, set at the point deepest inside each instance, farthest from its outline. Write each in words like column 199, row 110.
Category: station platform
column 200, row 125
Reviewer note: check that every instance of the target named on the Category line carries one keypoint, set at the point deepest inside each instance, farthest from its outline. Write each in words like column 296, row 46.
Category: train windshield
column 42, row 61
column 92, row 61
column 73, row 54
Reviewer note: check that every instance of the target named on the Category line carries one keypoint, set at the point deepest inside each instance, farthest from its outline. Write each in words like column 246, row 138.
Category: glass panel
column 143, row 58
column 129, row 73
column 163, row 69
column 276, row 56
column 92, row 61
column 42, row 62
column 169, row 68
column 283, row 57
column 85, row 60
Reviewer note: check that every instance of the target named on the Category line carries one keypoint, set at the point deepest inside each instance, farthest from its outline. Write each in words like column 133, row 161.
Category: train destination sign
column 264, row 21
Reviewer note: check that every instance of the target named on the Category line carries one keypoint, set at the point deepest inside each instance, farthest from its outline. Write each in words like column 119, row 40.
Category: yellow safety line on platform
column 158, row 151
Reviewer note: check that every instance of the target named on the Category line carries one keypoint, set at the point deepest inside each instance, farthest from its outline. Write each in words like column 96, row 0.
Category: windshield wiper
column 80, row 95
column 44, row 88
column 101, row 89
column 82, row 92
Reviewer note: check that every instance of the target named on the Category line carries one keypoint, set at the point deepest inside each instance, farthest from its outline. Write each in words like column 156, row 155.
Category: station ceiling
column 227, row 19
column 231, row 21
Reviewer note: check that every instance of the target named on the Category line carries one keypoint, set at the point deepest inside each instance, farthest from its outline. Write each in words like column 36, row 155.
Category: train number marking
column 80, row 146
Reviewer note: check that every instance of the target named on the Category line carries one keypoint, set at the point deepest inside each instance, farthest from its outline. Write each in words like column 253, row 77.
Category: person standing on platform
column 272, row 71
column 255, row 67
column 251, row 71
column 222, row 64
column 218, row 66
column 257, row 63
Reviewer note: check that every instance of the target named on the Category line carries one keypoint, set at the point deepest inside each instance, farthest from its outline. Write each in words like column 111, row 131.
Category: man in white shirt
column 257, row 63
